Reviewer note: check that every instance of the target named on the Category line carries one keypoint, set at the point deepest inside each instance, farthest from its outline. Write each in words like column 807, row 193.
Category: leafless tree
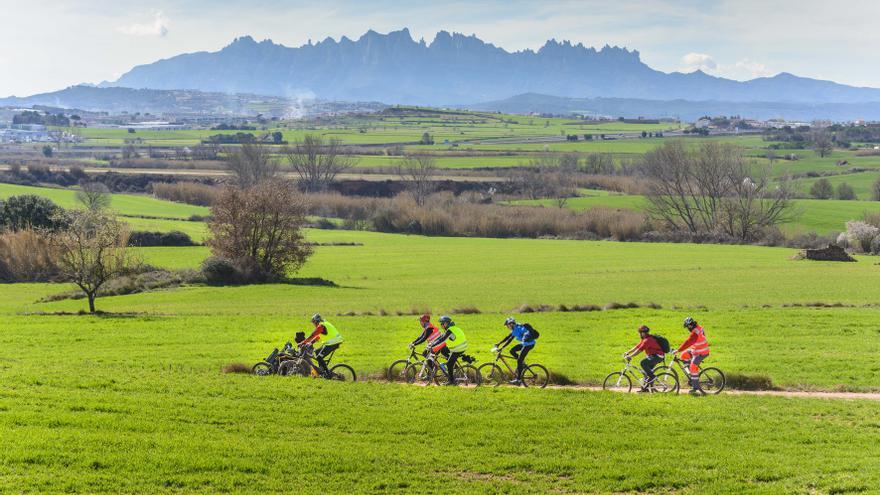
column 252, row 164
column 713, row 189
column 317, row 162
column 93, row 195
column 260, row 229
column 822, row 144
column 418, row 173
column 92, row 250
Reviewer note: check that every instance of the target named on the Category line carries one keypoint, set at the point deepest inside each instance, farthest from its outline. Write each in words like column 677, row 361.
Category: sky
column 46, row 45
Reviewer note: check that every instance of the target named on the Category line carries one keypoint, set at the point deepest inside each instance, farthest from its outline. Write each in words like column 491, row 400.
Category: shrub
column 822, row 189
column 161, row 239
column 186, row 192
column 861, row 235
column 26, row 256
column 220, row 271
column 29, row 212
column 845, row 192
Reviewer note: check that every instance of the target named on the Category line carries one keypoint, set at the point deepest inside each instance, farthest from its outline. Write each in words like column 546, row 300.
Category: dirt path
column 772, row 393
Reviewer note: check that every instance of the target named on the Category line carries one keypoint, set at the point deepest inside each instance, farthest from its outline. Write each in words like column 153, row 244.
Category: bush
column 29, row 212
column 220, row 271
column 845, row 192
column 159, row 239
column 26, row 256
column 822, row 189
column 186, row 192
column 861, row 235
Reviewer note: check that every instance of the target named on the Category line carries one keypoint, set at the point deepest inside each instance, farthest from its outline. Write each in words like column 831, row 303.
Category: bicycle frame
column 641, row 377
column 307, row 355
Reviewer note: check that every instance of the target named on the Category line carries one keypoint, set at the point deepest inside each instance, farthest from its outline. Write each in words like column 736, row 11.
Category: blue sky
column 51, row 44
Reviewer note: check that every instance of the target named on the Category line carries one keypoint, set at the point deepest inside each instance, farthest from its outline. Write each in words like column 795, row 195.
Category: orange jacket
column 696, row 342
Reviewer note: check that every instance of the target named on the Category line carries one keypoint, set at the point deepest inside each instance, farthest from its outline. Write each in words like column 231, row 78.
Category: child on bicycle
column 694, row 350
column 525, row 337
column 325, row 339
column 653, row 355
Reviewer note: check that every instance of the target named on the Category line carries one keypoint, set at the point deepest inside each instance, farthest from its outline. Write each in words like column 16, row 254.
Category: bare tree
column 93, row 195
column 418, row 173
column 252, row 164
column 260, row 229
column 92, row 250
column 317, row 162
column 713, row 189
column 822, row 143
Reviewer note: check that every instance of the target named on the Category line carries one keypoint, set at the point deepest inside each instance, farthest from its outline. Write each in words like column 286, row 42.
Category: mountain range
column 455, row 69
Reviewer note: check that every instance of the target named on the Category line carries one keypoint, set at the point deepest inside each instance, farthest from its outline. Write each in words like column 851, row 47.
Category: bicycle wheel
column 535, row 375
column 343, row 373
column 262, row 369
column 396, row 371
column 472, row 375
column 666, row 369
column 492, row 374
column 712, row 380
column 293, row 367
column 617, row 382
column 664, row 383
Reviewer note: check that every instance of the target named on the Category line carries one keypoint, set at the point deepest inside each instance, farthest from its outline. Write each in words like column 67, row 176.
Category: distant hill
column 180, row 102
column 458, row 69
column 683, row 109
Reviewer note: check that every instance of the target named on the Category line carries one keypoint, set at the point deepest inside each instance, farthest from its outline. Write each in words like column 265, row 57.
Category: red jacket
column 650, row 345
column 696, row 342
column 319, row 329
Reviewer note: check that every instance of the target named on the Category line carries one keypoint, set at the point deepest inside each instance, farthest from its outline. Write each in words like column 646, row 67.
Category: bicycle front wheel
column 712, row 380
column 396, row 372
column 535, row 375
column 491, row 374
column 664, row 383
column 617, row 382
column 468, row 376
column 262, row 369
column 343, row 373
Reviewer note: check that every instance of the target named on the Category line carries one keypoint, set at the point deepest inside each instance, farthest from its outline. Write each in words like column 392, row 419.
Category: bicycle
column 426, row 371
column 710, row 380
column 534, row 375
column 622, row 381
column 272, row 363
column 397, row 370
column 304, row 364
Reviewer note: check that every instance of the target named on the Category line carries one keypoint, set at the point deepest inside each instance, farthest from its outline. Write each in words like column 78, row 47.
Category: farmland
column 134, row 400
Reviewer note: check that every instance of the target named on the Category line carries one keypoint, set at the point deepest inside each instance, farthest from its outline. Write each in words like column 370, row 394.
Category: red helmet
column 425, row 318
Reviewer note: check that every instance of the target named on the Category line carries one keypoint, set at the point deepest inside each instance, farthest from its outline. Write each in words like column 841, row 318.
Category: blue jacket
column 521, row 333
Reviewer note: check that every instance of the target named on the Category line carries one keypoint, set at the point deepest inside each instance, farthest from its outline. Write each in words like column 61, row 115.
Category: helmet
column 510, row 321
column 316, row 318
column 425, row 318
column 445, row 319
column 644, row 328
column 689, row 322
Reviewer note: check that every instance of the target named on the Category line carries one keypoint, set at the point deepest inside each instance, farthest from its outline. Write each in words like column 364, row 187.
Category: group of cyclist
column 450, row 341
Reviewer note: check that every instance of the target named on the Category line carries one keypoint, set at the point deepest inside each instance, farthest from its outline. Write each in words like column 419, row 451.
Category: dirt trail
column 773, row 393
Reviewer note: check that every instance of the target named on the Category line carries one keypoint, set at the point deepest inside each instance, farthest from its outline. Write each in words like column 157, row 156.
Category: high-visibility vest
column 456, row 342
column 333, row 336
column 700, row 347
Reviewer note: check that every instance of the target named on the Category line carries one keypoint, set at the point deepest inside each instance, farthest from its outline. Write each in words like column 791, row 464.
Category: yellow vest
column 333, row 336
column 457, row 341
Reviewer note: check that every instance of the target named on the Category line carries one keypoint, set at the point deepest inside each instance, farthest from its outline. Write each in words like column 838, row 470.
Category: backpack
column 662, row 341
column 532, row 332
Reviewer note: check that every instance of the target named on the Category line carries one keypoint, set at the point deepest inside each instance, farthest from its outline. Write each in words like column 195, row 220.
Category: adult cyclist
column 456, row 344
column 526, row 338
column 653, row 355
column 694, row 350
column 325, row 339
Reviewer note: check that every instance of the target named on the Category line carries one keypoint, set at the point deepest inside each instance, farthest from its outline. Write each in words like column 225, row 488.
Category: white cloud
column 742, row 70
column 158, row 27
column 698, row 61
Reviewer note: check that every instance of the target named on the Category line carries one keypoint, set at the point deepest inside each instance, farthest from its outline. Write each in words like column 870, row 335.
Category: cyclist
column 430, row 333
column 525, row 337
column 325, row 339
column 456, row 344
column 653, row 355
column 693, row 351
